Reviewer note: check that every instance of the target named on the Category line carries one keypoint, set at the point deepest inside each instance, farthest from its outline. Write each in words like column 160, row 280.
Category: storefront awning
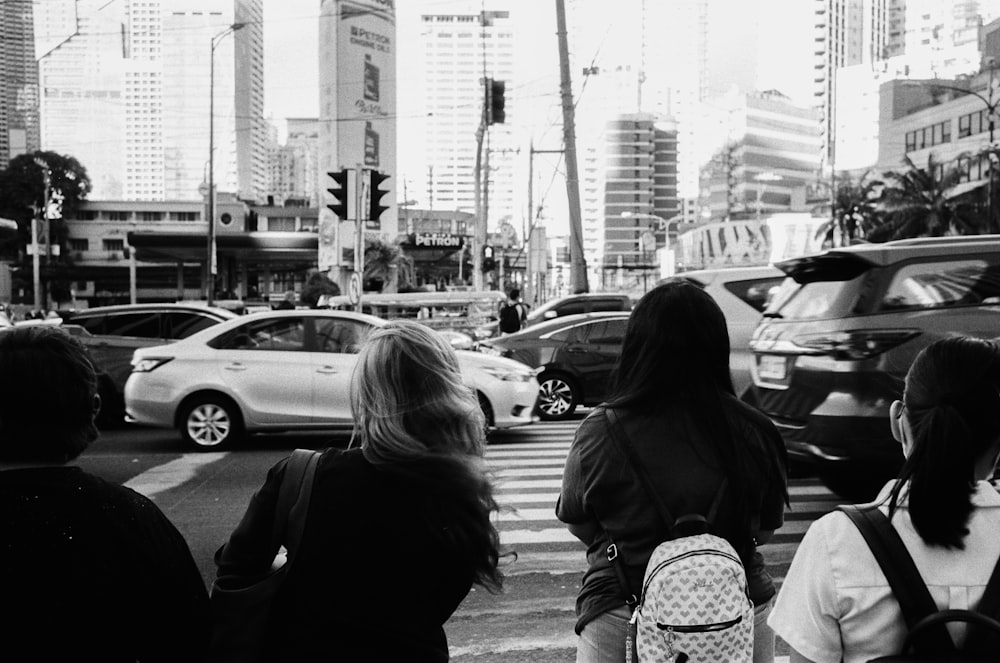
column 249, row 247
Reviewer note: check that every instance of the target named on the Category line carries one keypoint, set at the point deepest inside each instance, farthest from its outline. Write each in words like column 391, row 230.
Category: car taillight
column 147, row 364
column 857, row 343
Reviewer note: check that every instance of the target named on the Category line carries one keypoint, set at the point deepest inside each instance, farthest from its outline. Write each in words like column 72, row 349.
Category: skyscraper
column 18, row 81
column 455, row 51
column 848, row 32
column 126, row 91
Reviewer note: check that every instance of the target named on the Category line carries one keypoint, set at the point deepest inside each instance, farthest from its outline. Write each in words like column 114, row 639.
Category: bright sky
column 774, row 35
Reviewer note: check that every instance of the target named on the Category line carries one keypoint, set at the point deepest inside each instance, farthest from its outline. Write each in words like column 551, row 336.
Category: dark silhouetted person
column 91, row 571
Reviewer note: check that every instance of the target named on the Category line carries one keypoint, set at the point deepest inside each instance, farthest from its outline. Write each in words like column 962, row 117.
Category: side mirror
column 548, row 315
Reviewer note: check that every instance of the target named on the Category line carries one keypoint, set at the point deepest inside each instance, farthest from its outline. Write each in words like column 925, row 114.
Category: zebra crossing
column 527, row 464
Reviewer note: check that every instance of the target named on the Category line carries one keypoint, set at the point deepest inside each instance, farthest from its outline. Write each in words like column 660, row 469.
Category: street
column 205, row 494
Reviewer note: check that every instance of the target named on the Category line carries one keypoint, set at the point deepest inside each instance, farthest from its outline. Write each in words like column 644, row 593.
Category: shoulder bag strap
column 981, row 639
column 620, row 437
column 293, row 498
column 915, row 602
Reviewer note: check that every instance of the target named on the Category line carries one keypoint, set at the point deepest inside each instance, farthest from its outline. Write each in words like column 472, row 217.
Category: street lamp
column 662, row 224
column 211, row 268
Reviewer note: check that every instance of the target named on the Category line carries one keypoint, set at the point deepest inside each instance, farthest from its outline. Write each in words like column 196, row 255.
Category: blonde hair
column 409, row 400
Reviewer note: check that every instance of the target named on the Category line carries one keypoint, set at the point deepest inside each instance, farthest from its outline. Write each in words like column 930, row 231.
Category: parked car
column 286, row 370
column 113, row 333
column 840, row 334
column 589, row 302
column 573, row 354
column 742, row 293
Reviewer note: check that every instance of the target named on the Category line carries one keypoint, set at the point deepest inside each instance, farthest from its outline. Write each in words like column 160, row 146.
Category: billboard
column 358, row 70
column 748, row 242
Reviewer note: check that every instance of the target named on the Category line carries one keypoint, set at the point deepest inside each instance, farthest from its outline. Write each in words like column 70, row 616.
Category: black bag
column 928, row 639
column 241, row 605
column 510, row 318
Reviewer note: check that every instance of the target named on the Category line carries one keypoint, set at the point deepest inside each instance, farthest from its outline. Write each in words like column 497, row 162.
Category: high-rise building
column 452, row 56
column 848, row 32
column 649, row 63
column 126, row 87
column 640, row 193
column 18, row 81
column 293, row 167
column 772, row 155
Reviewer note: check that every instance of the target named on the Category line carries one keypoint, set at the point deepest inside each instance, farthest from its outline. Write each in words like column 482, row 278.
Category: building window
column 113, row 244
column 79, row 244
column 119, row 216
column 150, row 216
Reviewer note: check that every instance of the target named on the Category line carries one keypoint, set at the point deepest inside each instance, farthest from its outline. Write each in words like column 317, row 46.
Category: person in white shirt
column 835, row 603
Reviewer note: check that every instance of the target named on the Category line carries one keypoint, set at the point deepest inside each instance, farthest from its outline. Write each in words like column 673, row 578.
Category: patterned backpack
column 694, row 605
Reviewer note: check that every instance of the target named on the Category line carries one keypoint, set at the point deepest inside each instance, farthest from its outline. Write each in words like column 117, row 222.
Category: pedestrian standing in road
column 91, row 571
column 288, row 303
column 398, row 528
column 673, row 395
column 835, row 603
column 512, row 313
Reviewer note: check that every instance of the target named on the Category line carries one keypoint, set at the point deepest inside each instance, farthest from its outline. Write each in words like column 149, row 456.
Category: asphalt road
column 205, row 494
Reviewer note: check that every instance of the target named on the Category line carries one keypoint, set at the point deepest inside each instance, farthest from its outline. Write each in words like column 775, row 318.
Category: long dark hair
column 951, row 402
column 675, row 356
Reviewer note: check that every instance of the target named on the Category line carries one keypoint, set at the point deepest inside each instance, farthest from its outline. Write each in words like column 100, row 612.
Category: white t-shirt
column 835, row 603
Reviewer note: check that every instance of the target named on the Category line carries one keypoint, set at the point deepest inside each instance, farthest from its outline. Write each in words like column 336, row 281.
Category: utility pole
column 578, row 266
column 530, row 291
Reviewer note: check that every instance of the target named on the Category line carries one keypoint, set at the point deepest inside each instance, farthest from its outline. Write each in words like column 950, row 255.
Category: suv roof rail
column 951, row 239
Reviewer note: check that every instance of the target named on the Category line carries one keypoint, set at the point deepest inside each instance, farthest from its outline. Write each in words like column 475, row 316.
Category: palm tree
column 854, row 212
column 922, row 202
column 386, row 262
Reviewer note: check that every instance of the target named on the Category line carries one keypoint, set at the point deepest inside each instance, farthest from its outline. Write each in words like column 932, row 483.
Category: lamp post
column 991, row 114
column 662, row 224
column 210, row 267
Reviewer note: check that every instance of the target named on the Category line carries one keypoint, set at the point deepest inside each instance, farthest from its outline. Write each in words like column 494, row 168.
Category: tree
column 386, row 264
column 854, row 210
column 22, row 192
column 921, row 202
column 317, row 284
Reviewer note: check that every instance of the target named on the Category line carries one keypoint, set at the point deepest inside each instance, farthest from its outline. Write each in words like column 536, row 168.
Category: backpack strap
column 915, row 602
column 620, row 437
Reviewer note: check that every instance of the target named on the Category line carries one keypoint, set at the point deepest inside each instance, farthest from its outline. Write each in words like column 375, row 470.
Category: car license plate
column 771, row 367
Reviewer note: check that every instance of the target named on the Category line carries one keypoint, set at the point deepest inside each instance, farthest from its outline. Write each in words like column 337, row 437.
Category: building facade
column 772, row 155
column 19, row 131
column 293, row 168
column 848, row 32
column 126, row 88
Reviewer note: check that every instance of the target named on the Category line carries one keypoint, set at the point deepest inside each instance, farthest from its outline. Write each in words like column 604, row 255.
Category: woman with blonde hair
column 398, row 527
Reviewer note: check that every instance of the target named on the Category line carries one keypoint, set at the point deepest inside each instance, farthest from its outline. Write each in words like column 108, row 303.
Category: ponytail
column 951, row 404
column 940, row 472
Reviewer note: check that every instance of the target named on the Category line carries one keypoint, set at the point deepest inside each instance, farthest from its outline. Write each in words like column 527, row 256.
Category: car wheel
column 211, row 423
column 557, row 397
column 484, row 403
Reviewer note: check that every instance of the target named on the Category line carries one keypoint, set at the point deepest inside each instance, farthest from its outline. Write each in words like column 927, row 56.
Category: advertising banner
column 366, row 91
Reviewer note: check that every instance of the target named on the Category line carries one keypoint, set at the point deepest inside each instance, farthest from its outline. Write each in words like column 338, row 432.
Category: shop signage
column 437, row 241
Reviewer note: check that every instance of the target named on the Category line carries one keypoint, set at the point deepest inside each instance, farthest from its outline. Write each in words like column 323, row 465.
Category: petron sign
column 436, row 241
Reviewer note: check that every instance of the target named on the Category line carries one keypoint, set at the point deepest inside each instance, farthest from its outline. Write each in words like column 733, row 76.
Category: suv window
column 141, row 325
column 755, row 292
column 926, row 285
column 181, row 324
column 611, row 304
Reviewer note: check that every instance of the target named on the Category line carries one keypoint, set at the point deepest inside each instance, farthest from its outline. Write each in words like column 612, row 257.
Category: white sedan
column 286, row 370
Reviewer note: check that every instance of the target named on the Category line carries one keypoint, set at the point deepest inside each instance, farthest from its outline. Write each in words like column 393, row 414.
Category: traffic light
column 489, row 261
column 495, row 101
column 376, row 207
column 340, row 194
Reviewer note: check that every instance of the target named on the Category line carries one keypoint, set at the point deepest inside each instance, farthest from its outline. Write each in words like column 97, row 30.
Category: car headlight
column 509, row 374
column 147, row 364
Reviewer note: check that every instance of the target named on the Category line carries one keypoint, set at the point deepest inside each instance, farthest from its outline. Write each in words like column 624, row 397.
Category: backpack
column 510, row 318
column 694, row 604
column 927, row 638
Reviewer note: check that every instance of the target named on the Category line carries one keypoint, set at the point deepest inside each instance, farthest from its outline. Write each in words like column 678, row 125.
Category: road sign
column 354, row 288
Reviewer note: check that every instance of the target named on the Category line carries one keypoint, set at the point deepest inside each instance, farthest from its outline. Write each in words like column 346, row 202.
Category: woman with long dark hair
column 399, row 526
column 673, row 394
column 835, row 603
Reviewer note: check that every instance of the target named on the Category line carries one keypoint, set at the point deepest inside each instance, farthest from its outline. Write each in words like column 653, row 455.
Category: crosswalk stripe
column 526, row 446
column 527, row 498
column 522, row 515
column 531, row 484
column 510, row 537
column 515, row 462
column 172, row 474
column 530, row 472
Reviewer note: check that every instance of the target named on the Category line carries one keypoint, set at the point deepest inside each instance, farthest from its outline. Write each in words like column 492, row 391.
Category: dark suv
column 113, row 333
column 836, row 342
